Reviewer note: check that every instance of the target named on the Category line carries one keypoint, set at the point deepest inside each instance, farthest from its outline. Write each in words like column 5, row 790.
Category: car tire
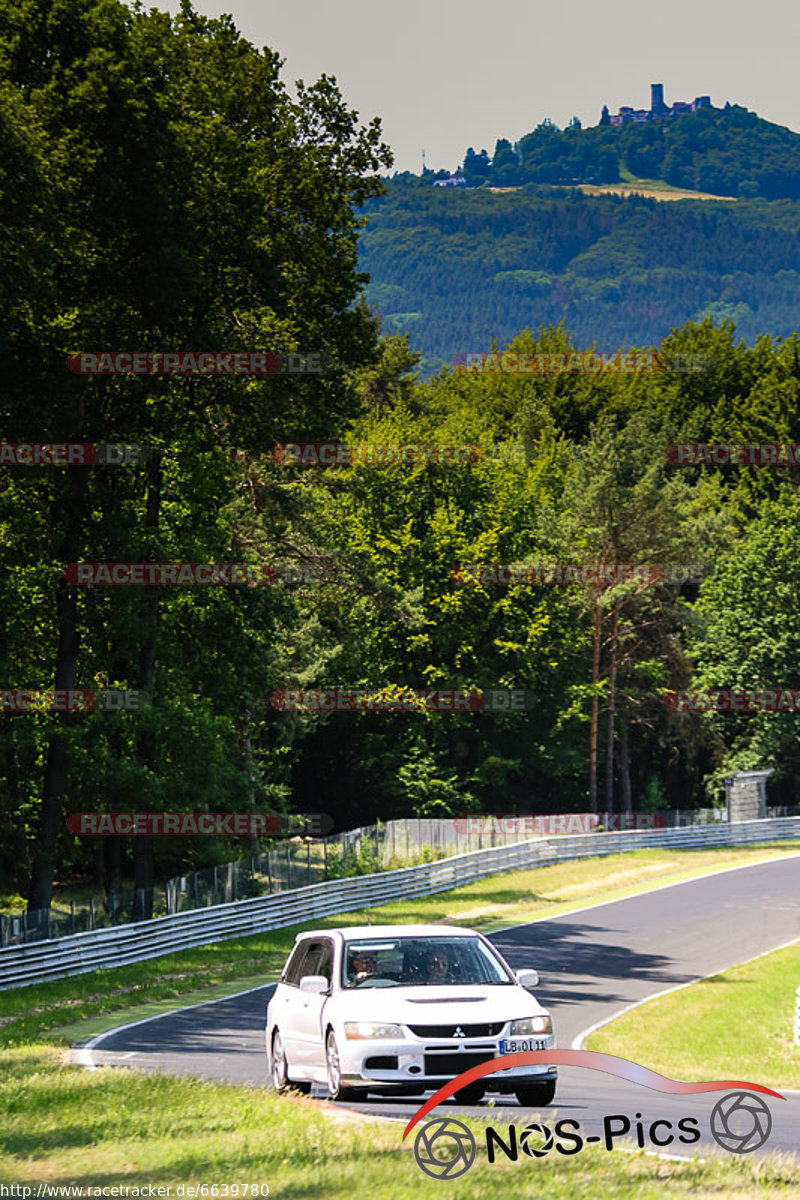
column 473, row 1093
column 336, row 1089
column 534, row 1095
column 280, row 1068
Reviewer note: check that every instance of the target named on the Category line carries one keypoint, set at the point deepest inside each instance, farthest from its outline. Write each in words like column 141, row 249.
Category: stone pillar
column 746, row 795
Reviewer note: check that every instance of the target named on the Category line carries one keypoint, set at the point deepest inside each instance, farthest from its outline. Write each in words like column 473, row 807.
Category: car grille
column 488, row 1029
column 453, row 1064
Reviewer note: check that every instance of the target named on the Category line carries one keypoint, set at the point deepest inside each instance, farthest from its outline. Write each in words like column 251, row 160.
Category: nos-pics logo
column 445, row 1148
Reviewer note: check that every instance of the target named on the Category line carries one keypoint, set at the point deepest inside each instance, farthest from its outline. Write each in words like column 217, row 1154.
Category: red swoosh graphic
column 594, row 1061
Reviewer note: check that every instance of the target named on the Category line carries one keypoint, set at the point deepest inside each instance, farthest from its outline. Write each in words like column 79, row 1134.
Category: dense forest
column 455, row 268
column 241, row 233
column 387, row 608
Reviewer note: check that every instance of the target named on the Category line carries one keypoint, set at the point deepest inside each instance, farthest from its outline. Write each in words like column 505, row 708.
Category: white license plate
column 519, row 1045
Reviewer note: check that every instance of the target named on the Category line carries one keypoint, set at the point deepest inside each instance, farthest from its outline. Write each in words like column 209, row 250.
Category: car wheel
column 473, row 1093
column 336, row 1090
column 532, row 1095
column 280, row 1068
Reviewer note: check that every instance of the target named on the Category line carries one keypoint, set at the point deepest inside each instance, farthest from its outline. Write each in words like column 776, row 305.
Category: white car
column 403, row 1008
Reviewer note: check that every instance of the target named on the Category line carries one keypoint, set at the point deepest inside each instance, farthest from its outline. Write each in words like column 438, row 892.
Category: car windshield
column 420, row 962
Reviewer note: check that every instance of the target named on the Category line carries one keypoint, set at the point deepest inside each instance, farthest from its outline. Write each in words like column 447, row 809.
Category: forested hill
column 727, row 151
column 456, row 267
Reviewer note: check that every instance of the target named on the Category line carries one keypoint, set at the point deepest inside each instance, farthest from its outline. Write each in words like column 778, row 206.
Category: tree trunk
column 612, row 711
column 112, row 843
column 143, row 869
column 113, row 852
column 595, row 718
column 250, row 840
column 626, row 804
column 55, row 772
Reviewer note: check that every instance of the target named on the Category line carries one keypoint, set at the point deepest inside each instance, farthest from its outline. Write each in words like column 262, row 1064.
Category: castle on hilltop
column 658, row 110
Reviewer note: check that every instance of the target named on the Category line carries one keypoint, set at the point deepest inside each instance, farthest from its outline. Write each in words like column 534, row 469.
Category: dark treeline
column 230, row 222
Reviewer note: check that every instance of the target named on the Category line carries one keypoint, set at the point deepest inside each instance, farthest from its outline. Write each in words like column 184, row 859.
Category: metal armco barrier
column 122, row 944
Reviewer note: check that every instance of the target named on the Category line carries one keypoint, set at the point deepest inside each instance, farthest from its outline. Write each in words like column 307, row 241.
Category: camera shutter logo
column 536, row 1140
column 741, row 1122
column 444, row 1148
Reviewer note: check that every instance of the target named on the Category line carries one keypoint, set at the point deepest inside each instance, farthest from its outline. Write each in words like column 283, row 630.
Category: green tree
column 180, row 199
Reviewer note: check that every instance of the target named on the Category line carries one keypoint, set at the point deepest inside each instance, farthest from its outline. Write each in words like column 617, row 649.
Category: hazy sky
column 447, row 74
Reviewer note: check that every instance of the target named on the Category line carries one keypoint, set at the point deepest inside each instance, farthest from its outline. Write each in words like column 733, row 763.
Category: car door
column 287, row 1006
column 307, row 1017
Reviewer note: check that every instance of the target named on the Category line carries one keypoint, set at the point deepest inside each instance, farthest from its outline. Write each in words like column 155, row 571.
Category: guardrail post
column 797, row 1018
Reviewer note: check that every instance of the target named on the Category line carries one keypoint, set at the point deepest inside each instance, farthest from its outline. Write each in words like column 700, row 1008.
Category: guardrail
column 122, row 944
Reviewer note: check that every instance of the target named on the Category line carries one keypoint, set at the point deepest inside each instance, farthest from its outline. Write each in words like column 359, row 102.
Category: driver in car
column 363, row 965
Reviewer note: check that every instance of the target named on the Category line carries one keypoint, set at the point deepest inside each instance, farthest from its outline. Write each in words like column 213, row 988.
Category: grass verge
column 109, row 997
column 65, row 1126
column 738, row 1024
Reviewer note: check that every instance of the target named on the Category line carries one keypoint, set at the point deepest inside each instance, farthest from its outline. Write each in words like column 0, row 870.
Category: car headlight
column 541, row 1024
column 372, row 1029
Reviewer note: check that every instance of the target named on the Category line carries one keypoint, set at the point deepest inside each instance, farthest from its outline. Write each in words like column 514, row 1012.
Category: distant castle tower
column 657, row 111
column 657, row 104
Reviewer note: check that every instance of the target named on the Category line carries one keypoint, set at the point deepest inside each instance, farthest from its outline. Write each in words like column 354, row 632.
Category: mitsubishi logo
column 459, row 1032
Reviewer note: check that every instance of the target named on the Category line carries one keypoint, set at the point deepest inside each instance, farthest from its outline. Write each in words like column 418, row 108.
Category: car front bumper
column 418, row 1062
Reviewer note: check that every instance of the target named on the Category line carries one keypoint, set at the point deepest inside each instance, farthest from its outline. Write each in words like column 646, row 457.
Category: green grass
column 63, row 1125
column 661, row 185
column 111, row 997
column 738, row 1024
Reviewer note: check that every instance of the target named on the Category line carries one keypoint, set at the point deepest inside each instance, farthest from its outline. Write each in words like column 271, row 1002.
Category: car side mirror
column 528, row 979
column 317, row 985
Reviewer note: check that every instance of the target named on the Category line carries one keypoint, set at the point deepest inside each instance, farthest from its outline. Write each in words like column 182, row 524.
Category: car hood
column 437, row 1005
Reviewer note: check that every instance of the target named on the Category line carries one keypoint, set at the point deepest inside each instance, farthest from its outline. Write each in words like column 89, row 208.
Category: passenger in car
column 438, row 965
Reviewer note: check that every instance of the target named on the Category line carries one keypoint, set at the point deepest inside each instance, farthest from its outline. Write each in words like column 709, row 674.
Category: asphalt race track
column 592, row 964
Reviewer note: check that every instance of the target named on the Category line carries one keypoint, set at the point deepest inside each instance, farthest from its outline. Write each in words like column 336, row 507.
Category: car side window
column 294, row 968
column 318, row 960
